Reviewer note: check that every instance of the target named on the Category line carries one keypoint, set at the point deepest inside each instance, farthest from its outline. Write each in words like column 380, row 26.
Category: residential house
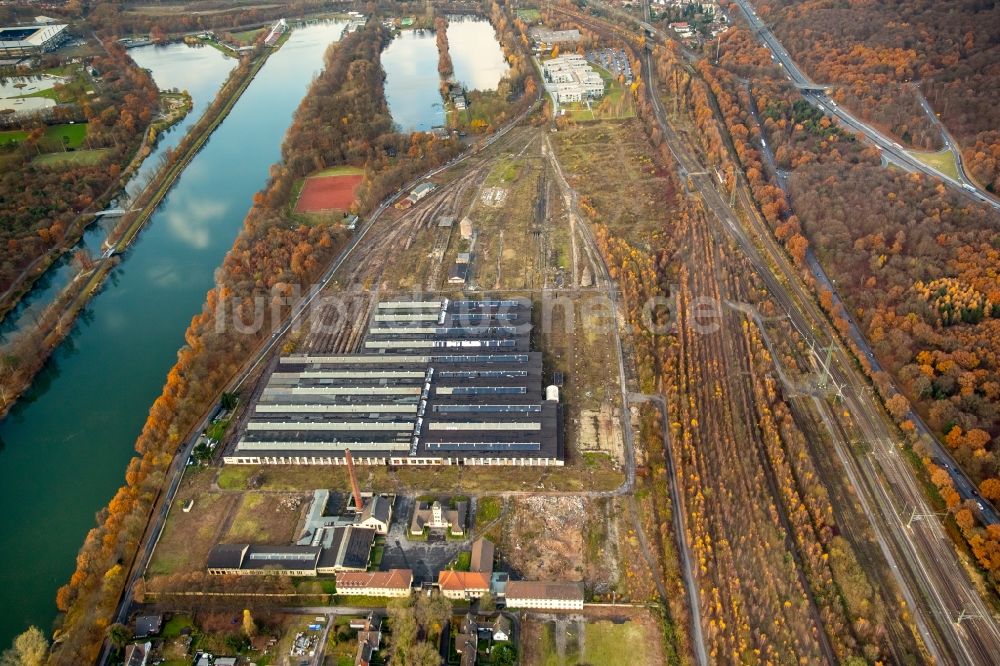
column 467, row 640
column 369, row 640
column 502, row 628
column 137, row 654
column 148, row 625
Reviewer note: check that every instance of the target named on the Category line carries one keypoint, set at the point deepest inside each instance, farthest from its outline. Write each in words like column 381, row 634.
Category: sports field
column 332, row 189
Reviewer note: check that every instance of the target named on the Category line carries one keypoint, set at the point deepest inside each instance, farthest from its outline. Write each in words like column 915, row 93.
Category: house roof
column 148, row 625
column 482, row 556
column 227, row 555
column 396, row 579
column 469, row 624
column 135, row 654
column 378, row 508
column 349, row 548
column 536, row 589
column 501, row 623
column 466, row 643
column 463, row 580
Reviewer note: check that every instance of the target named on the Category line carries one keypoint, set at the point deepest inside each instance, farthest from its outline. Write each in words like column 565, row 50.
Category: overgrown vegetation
column 268, row 257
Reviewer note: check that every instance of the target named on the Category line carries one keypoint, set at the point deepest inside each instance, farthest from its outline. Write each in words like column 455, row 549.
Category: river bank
column 51, row 328
column 68, row 439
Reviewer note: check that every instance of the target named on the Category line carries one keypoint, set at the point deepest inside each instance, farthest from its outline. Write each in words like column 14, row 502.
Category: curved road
column 816, row 94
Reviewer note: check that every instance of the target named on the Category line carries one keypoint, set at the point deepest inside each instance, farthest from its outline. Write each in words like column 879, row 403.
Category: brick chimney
column 358, row 504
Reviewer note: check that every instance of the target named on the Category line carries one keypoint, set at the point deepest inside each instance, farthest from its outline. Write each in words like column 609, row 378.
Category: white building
column 31, row 40
column 571, row 78
column 544, row 595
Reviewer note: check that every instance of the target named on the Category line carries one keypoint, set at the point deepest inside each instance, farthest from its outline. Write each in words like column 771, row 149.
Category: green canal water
column 63, row 449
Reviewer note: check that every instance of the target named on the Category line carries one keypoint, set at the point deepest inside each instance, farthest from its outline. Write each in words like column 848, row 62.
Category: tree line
column 882, row 56
column 342, row 120
column 911, row 258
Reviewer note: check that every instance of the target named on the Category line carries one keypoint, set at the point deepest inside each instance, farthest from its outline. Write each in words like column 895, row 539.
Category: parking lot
column 613, row 60
column 425, row 558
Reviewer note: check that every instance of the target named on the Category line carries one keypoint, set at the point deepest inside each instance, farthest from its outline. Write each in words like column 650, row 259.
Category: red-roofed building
column 391, row 583
column 463, row 584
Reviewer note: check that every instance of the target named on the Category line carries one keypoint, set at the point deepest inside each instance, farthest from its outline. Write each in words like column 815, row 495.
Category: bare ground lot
column 222, row 517
column 263, row 517
column 187, row 537
column 598, row 475
column 595, row 637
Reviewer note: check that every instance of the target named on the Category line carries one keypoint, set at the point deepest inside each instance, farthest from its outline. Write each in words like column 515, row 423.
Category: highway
column 922, row 557
column 816, row 94
column 967, row 490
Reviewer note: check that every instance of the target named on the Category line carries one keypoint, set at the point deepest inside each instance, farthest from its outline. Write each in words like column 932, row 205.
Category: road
column 816, row 94
column 965, row 487
column 922, row 558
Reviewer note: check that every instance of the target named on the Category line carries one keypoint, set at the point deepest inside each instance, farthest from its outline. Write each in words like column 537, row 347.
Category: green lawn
column 173, row 627
column 463, row 561
column 943, row 161
column 487, row 510
column 234, row 477
column 343, row 170
column 71, row 135
column 11, row 137
column 530, row 15
column 614, row 105
column 217, row 430
column 75, row 158
column 602, row 644
column 376, row 556
column 248, row 36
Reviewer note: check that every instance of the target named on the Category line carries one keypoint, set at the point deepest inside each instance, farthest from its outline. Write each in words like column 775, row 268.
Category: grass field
column 943, row 161
column 248, row 36
column 11, row 137
column 343, row 170
column 597, row 643
column 71, row 135
column 487, row 510
column 616, row 104
column 75, row 158
column 444, row 479
column 530, row 15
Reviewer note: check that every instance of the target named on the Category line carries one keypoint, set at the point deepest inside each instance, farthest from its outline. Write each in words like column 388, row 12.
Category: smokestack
column 358, row 504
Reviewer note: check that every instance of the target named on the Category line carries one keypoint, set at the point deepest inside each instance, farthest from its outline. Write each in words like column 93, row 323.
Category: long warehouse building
column 437, row 383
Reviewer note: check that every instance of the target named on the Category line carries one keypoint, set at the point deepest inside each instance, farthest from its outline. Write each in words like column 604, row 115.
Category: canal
column 200, row 71
column 64, row 447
